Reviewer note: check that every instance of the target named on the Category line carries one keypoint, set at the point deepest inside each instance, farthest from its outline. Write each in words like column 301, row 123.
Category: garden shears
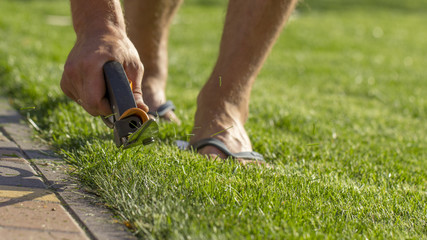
column 132, row 126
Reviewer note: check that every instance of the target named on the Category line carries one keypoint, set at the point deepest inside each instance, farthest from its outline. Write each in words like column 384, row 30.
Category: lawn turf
column 339, row 110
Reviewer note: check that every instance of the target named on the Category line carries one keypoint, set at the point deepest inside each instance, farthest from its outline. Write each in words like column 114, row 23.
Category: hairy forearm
column 93, row 16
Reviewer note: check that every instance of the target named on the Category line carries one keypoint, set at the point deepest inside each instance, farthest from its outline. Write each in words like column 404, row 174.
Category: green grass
column 339, row 109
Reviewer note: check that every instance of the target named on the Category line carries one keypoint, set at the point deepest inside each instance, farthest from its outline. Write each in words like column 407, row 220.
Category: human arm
column 101, row 37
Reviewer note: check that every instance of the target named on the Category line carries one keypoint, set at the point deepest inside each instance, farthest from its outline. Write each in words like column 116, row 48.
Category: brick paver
column 28, row 210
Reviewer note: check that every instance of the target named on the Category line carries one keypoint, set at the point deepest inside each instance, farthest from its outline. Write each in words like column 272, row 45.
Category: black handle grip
column 119, row 92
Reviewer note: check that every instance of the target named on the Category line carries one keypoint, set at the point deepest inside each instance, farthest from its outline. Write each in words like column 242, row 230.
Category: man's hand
column 101, row 37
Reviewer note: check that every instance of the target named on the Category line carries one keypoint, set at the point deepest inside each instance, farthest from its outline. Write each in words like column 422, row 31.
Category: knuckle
column 67, row 81
column 91, row 111
column 91, row 108
column 97, row 106
column 137, row 66
column 65, row 88
column 69, row 70
column 141, row 67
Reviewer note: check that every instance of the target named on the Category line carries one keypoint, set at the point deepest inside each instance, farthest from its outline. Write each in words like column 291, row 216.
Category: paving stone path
column 38, row 199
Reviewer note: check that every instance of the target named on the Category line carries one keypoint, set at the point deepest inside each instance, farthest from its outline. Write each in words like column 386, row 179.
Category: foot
column 154, row 96
column 224, row 127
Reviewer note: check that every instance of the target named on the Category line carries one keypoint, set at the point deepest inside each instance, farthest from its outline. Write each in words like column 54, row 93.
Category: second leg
column 251, row 28
column 148, row 23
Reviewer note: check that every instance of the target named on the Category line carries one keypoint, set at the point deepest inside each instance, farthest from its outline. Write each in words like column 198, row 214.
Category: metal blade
column 144, row 135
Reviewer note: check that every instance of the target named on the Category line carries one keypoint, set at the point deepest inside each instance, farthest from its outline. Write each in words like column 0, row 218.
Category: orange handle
column 135, row 111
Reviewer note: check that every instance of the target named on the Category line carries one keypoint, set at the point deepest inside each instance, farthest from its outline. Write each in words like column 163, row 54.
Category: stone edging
column 93, row 216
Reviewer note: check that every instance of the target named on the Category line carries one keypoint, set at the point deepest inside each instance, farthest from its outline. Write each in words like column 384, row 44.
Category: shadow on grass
column 338, row 5
column 206, row 2
column 350, row 5
column 79, row 142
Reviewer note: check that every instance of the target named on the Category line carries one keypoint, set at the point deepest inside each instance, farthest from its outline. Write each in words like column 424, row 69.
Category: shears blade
column 143, row 136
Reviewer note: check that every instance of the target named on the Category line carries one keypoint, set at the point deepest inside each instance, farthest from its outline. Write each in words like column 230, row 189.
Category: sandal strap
column 221, row 146
column 163, row 109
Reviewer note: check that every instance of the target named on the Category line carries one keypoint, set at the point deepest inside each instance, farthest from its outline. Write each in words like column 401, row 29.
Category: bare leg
column 251, row 28
column 148, row 24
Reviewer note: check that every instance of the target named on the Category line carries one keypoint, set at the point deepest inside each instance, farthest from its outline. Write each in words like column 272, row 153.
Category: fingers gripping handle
column 127, row 119
column 119, row 91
